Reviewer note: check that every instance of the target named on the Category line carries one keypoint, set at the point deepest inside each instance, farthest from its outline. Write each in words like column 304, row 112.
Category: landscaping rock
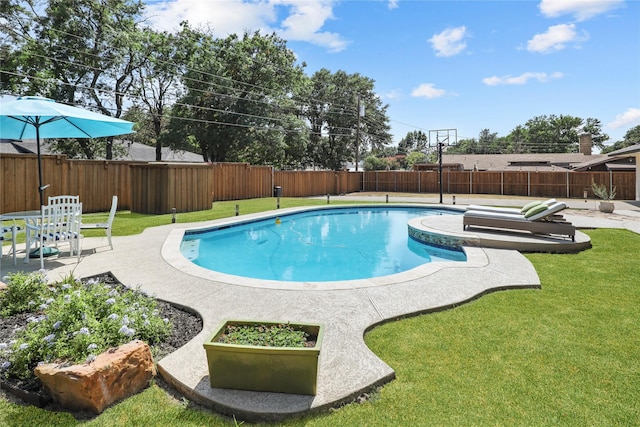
column 114, row 375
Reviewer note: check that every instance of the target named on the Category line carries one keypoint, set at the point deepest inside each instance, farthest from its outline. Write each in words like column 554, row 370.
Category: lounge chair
column 542, row 220
column 516, row 211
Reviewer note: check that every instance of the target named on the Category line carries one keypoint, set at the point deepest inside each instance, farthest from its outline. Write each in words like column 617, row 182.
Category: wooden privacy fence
column 316, row 183
column 158, row 187
column 533, row 184
column 95, row 181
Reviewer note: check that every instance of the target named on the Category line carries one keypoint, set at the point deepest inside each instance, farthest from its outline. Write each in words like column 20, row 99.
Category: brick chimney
column 585, row 144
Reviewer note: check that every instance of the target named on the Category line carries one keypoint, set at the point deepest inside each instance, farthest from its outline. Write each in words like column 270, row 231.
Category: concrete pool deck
column 347, row 368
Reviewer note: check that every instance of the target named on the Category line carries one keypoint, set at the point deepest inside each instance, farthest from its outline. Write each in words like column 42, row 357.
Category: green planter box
column 274, row 369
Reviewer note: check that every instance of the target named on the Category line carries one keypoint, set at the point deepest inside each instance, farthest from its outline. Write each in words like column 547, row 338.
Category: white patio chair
column 59, row 223
column 13, row 229
column 105, row 225
column 54, row 200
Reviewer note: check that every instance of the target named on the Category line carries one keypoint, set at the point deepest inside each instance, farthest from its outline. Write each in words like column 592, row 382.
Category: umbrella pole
column 40, row 187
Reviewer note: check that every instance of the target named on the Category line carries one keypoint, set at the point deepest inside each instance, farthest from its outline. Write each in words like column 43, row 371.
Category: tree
column 331, row 107
column 631, row 137
column 549, row 134
column 239, row 98
column 413, row 141
column 594, row 127
column 373, row 163
column 77, row 52
column 163, row 56
column 415, row 157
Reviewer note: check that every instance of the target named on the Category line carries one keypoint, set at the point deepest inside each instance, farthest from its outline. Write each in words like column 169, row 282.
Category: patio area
column 347, row 368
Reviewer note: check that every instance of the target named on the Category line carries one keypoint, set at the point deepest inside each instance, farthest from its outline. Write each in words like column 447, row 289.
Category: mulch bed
column 186, row 325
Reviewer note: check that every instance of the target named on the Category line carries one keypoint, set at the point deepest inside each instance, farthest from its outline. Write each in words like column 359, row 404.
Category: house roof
column 134, row 151
column 521, row 162
column 9, row 147
column 632, row 149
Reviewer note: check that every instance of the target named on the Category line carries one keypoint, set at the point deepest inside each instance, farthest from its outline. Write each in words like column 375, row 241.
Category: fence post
column 470, row 182
column 610, row 181
column 529, row 183
column 568, row 191
column 501, row 183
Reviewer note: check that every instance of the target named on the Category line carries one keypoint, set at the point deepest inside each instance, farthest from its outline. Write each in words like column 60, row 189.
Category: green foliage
column 541, row 134
column 58, row 50
column 415, row 157
column 74, row 321
column 631, row 137
column 25, row 292
column 373, row 163
column 330, row 105
column 413, row 141
column 281, row 335
column 250, row 115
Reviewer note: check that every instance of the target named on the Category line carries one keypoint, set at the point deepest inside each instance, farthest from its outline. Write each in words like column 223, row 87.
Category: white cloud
column 580, row 9
column 449, row 42
column 224, row 17
column 392, row 94
column 521, row 79
column 393, row 4
column 303, row 20
column 556, row 38
column 629, row 118
column 428, row 90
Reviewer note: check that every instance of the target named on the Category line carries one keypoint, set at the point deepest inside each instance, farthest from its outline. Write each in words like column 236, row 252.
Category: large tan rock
column 114, row 375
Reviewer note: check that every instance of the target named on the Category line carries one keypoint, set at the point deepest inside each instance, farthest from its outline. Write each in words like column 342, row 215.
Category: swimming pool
column 342, row 243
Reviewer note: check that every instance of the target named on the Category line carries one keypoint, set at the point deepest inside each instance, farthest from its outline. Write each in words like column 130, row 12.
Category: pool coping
column 173, row 256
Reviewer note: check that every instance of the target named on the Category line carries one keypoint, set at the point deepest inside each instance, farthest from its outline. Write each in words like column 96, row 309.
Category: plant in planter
column 601, row 191
column 264, row 356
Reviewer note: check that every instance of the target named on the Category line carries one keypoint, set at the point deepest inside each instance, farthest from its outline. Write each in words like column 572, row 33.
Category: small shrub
column 25, row 292
column 76, row 321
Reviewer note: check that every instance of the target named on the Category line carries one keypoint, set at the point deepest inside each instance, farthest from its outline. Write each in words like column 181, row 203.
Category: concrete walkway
column 347, row 367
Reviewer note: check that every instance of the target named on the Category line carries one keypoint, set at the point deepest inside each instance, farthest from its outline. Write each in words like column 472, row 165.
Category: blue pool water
column 318, row 246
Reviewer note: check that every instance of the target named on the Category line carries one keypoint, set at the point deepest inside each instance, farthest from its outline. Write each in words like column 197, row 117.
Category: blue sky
column 464, row 65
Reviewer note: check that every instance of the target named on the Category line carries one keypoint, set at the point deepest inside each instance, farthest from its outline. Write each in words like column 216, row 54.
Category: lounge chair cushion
column 556, row 207
column 530, row 205
column 535, row 210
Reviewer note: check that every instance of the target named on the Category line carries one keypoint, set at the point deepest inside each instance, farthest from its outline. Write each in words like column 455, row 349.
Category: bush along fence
column 157, row 188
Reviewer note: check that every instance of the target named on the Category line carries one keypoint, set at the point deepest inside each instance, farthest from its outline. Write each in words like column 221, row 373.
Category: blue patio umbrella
column 34, row 117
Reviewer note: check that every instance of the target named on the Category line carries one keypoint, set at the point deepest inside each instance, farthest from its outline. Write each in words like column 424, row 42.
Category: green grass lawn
column 567, row 354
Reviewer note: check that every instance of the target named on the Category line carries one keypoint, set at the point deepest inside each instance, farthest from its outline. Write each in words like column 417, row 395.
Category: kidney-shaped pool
column 342, row 243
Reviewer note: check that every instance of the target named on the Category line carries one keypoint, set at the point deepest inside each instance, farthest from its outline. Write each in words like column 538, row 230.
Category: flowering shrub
column 75, row 321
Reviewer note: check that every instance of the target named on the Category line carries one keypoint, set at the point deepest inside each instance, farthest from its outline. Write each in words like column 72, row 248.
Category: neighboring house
column 634, row 152
column 135, row 151
column 555, row 162
column 10, row 147
column 544, row 162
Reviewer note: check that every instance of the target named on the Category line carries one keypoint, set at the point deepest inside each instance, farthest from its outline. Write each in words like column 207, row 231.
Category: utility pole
column 358, row 134
column 442, row 138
